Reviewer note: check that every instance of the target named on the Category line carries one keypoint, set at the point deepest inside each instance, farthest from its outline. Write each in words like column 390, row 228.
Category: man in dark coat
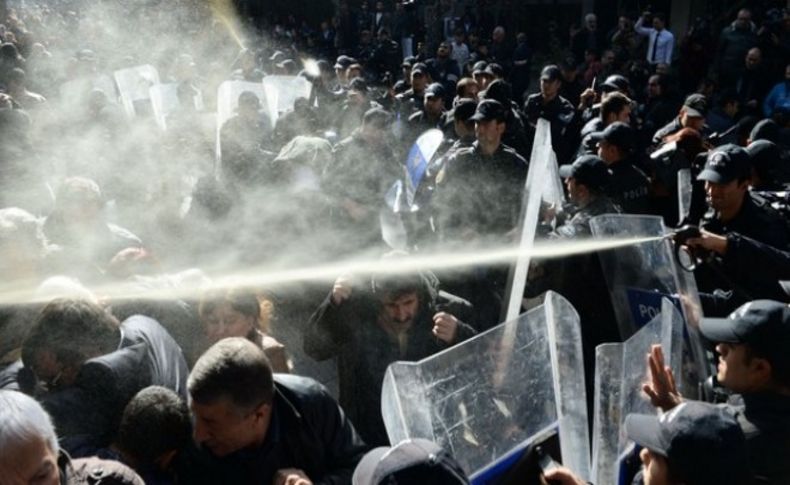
column 549, row 105
column 367, row 327
column 253, row 427
column 90, row 366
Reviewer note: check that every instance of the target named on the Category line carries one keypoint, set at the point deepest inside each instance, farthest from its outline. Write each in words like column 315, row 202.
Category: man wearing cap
column 481, row 192
column 765, row 157
column 754, row 364
column 357, row 103
column 481, row 74
column 430, row 116
column 692, row 115
column 733, row 210
column 694, row 444
column 463, row 137
column 341, row 66
column 629, row 185
column 409, row 462
column 727, row 175
column 579, row 277
column 411, row 100
column 365, row 168
column 548, row 104
column 478, row 200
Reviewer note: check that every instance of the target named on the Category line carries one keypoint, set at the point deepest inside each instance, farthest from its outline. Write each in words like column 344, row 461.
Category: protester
column 369, row 326
column 115, row 175
column 253, row 427
column 29, row 450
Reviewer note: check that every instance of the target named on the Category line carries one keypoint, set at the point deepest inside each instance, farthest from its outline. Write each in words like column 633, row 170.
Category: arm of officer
column 326, row 331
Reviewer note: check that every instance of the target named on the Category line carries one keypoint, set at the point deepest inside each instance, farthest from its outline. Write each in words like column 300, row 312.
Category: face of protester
column 224, row 322
column 30, row 462
column 744, row 20
column 653, row 87
column 658, row 24
column 625, row 23
column 737, row 372
column 753, row 59
column 726, row 197
column 444, row 50
column 489, row 132
column 655, row 468
column 591, row 22
column 398, row 313
column 549, row 89
column 51, row 373
column 223, row 428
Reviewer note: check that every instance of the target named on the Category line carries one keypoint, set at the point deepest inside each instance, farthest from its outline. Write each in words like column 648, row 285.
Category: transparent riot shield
column 684, row 193
column 282, row 92
column 74, row 92
column 639, row 276
column 164, row 100
column 620, row 371
column 487, row 399
column 134, row 85
column 228, row 101
column 606, row 412
column 543, row 189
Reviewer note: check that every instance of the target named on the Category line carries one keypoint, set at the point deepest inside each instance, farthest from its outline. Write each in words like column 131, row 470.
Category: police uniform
column 755, row 220
column 628, row 186
column 559, row 112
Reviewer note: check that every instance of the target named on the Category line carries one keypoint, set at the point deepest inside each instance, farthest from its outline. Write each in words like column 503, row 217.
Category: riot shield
column 487, row 399
column 134, row 85
column 684, row 193
column 639, row 276
column 543, row 188
column 164, row 100
column 228, row 101
column 282, row 92
column 620, row 371
column 606, row 412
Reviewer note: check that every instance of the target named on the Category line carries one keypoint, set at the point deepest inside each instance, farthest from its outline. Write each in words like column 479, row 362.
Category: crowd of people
column 172, row 308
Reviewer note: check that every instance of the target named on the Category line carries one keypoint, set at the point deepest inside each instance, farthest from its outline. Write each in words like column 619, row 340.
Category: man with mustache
column 368, row 324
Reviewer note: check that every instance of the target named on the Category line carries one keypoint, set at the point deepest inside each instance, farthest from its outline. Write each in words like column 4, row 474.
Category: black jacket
column 88, row 413
column 561, row 114
column 765, row 421
column 759, row 223
column 308, row 431
column 364, row 350
column 629, row 187
column 480, row 193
